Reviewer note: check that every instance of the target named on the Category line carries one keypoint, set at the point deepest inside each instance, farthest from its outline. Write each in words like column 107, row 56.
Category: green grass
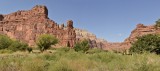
column 93, row 60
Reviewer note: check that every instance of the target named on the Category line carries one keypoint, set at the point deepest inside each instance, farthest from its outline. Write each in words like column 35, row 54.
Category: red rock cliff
column 27, row 25
column 140, row 30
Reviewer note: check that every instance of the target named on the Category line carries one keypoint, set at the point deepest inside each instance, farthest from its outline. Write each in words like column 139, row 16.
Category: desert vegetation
column 69, row 60
column 82, row 46
column 147, row 43
column 12, row 45
column 81, row 58
column 45, row 41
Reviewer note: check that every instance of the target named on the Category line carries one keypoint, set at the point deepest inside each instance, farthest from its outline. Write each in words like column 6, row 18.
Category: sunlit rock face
column 94, row 42
column 140, row 30
column 27, row 25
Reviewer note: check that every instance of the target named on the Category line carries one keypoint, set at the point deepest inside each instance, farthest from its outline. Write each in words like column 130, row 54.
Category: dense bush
column 5, row 41
column 82, row 46
column 45, row 41
column 146, row 43
column 18, row 46
column 8, row 44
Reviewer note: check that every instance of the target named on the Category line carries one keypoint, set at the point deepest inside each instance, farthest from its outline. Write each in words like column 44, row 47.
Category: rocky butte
column 27, row 25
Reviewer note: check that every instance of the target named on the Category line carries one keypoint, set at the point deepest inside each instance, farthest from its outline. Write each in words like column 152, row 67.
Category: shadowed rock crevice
column 1, row 17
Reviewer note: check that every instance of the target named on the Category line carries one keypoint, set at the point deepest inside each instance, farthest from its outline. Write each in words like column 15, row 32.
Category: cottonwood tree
column 45, row 41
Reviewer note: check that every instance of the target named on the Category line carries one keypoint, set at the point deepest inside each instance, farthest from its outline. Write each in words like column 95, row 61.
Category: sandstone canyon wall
column 140, row 30
column 93, row 40
column 27, row 25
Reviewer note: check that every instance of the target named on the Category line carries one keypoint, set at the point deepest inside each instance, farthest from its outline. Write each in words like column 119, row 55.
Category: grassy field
column 64, row 60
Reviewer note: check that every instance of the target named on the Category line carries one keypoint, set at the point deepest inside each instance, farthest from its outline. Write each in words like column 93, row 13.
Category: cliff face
column 100, row 43
column 140, row 30
column 93, row 40
column 27, row 25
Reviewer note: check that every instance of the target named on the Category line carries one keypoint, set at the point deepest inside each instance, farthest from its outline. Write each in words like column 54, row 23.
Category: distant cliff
column 93, row 40
column 140, row 30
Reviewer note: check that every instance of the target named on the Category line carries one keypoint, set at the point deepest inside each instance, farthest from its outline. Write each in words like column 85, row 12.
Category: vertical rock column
column 71, row 34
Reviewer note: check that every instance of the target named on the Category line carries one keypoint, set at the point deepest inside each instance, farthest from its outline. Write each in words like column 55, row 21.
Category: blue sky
column 112, row 20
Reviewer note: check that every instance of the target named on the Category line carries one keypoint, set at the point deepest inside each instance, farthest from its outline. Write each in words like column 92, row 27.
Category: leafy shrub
column 146, row 43
column 14, row 45
column 5, row 41
column 18, row 46
column 82, row 46
column 77, row 47
column 45, row 41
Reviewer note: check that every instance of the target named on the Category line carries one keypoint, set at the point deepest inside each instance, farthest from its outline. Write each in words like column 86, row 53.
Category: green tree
column 45, row 41
column 77, row 47
column 146, row 43
column 5, row 41
column 82, row 46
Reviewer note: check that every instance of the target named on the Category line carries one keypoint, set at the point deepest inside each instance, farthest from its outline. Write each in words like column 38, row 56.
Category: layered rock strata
column 27, row 25
column 93, row 40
